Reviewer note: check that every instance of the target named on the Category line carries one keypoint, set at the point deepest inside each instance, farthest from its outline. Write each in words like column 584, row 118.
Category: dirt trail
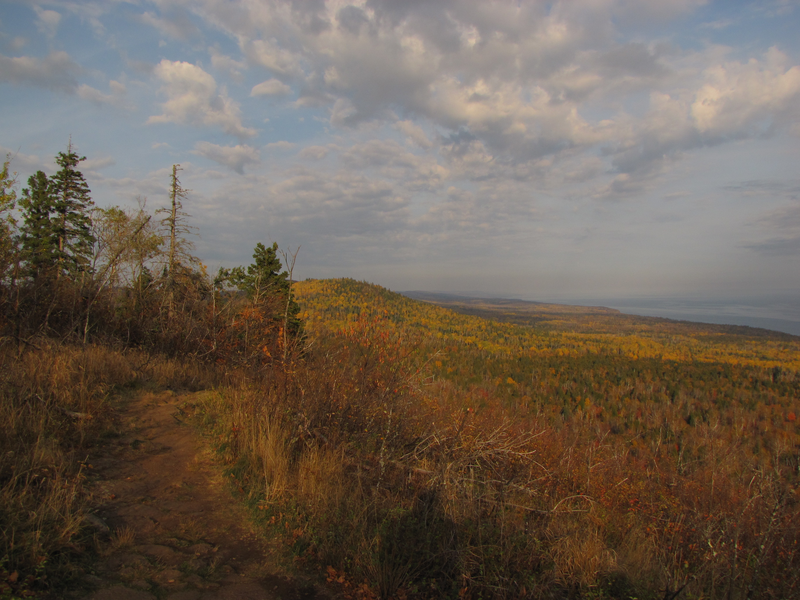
column 175, row 531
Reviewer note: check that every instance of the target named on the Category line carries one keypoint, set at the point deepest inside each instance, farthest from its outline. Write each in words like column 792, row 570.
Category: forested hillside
column 637, row 454
column 400, row 448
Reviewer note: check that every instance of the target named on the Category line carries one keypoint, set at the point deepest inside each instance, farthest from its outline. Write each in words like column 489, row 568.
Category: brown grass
column 55, row 401
column 404, row 487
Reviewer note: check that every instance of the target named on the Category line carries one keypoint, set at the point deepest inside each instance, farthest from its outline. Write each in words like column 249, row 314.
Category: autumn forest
column 397, row 446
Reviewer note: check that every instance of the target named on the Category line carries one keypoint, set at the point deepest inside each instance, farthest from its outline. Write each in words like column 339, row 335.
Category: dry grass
column 424, row 498
column 121, row 539
column 55, row 401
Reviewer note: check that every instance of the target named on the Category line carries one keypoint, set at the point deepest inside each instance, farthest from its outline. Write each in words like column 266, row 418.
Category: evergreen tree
column 57, row 229
column 263, row 276
column 265, row 279
column 8, row 200
column 72, row 224
column 39, row 241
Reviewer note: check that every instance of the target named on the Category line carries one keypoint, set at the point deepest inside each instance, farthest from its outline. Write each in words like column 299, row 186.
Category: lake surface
column 778, row 314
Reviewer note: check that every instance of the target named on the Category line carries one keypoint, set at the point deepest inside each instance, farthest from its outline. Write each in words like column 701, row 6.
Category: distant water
column 776, row 314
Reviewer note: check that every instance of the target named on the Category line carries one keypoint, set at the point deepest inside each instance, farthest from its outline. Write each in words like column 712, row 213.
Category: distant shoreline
column 782, row 325
column 715, row 313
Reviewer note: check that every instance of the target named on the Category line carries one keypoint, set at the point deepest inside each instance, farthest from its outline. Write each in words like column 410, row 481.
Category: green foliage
column 8, row 199
column 39, row 239
column 264, row 275
column 264, row 281
column 71, row 211
column 57, row 232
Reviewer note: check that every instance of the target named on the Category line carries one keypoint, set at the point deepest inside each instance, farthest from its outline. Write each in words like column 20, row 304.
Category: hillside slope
column 543, row 329
column 437, row 454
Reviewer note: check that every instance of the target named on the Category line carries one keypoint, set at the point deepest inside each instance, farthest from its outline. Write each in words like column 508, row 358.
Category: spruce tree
column 39, row 240
column 72, row 223
column 8, row 201
column 57, row 231
column 263, row 276
column 265, row 279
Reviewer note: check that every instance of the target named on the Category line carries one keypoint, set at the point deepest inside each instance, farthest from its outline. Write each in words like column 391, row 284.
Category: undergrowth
column 56, row 401
column 398, row 489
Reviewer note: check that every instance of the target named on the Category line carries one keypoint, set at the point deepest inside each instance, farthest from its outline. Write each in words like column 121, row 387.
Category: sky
column 538, row 150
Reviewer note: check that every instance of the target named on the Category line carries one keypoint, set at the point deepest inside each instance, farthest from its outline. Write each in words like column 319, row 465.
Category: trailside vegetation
column 402, row 449
column 93, row 300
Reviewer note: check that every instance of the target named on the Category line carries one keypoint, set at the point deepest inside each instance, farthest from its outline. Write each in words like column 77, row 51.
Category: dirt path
column 175, row 531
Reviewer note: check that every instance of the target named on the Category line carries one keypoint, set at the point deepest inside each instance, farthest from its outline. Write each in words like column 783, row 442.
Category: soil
column 171, row 528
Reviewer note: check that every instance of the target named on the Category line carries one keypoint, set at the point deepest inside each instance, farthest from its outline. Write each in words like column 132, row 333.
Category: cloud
column 526, row 82
column 415, row 133
column 21, row 163
column 271, row 87
column 56, row 71
column 781, row 225
column 726, row 102
column 47, row 21
column 394, row 162
column 232, row 68
column 789, row 246
column 193, row 97
column 648, row 10
column 744, row 99
column 176, row 23
column 17, row 43
column 341, row 204
column 281, row 145
column 95, row 164
column 266, row 53
column 233, row 157
column 313, row 152
column 116, row 97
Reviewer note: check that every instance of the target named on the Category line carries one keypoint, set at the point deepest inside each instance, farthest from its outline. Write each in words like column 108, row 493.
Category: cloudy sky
column 543, row 150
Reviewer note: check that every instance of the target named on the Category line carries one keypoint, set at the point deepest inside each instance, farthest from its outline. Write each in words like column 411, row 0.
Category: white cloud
column 95, row 164
column 266, row 53
column 233, row 157
column 176, row 23
column 56, row 71
column 18, row 43
column 648, row 10
column 48, row 21
column 116, row 97
column 232, row 68
column 271, row 87
column 21, row 163
column 314, row 152
column 736, row 97
column 395, row 163
column 281, row 145
column 193, row 97
column 415, row 133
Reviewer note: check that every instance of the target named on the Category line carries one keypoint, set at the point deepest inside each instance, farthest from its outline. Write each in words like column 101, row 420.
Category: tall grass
column 410, row 489
column 55, row 402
